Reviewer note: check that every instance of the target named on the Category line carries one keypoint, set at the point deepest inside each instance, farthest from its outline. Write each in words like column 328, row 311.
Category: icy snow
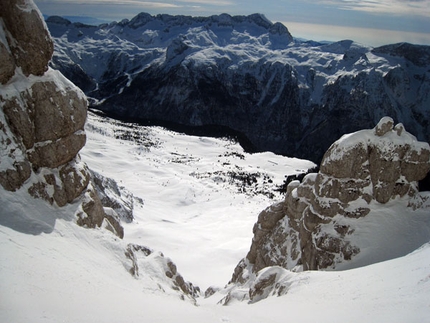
column 65, row 273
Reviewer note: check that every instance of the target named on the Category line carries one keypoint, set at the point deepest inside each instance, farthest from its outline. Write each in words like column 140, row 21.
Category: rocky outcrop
column 29, row 45
column 144, row 260
column 315, row 226
column 42, row 119
column 114, row 196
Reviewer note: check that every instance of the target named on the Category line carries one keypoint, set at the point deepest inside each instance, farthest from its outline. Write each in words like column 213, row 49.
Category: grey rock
column 165, row 266
column 29, row 41
column 114, row 196
column 12, row 179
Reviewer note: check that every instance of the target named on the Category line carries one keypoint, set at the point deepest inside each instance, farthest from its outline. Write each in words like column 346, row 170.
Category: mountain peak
column 58, row 20
column 224, row 19
column 140, row 20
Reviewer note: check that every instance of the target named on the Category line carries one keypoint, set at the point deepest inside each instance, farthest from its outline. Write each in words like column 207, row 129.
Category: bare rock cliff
column 315, row 226
column 42, row 119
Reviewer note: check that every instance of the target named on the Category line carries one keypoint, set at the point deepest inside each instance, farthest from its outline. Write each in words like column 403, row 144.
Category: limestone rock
column 42, row 120
column 7, row 64
column 56, row 153
column 28, row 38
column 384, row 125
column 312, row 228
column 49, row 115
column 11, row 179
column 391, row 160
column 15, row 168
column 93, row 214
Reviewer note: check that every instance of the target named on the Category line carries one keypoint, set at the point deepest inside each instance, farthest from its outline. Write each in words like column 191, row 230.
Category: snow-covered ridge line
column 225, row 20
column 245, row 73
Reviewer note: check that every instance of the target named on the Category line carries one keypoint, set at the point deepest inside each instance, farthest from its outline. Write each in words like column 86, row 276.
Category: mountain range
column 243, row 76
column 92, row 207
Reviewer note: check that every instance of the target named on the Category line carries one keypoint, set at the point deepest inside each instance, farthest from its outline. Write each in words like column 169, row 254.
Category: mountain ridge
column 247, row 74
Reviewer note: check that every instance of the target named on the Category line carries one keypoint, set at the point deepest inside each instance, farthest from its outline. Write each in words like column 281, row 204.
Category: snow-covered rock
column 42, row 120
column 391, row 160
column 151, row 265
column 247, row 74
column 349, row 214
column 42, row 176
column 114, row 196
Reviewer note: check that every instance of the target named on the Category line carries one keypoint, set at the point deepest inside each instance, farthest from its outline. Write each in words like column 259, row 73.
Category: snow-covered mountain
column 87, row 229
column 246, row 74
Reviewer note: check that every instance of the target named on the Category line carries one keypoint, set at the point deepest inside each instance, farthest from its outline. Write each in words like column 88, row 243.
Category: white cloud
column 210, row 2
column 146, row 4
column 134, row 3
column 397, row 7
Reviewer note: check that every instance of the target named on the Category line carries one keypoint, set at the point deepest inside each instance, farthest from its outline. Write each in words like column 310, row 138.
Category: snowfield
column 201, row 196
column 196, row 200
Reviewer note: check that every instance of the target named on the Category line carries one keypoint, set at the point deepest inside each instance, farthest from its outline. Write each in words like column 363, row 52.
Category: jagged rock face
column 246, row 74
column 29, row 44
column 44, row 111
column 311, row 227
column 42, row 119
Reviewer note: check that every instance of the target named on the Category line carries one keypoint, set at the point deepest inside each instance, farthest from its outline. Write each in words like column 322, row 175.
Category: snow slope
column 73, row 274
column 192, row 192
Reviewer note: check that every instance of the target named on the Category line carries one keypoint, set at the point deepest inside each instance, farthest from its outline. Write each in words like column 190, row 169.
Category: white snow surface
column 195, row 215
column 192, row 211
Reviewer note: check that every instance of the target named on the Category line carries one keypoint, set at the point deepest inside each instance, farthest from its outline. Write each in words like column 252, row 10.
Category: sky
column 370, row 22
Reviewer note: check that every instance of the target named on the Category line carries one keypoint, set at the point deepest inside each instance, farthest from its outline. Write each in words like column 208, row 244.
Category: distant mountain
column 83, row 19
column 244, row 74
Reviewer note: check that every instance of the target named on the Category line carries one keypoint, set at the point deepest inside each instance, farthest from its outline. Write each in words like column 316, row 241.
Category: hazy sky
column 372, row 22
